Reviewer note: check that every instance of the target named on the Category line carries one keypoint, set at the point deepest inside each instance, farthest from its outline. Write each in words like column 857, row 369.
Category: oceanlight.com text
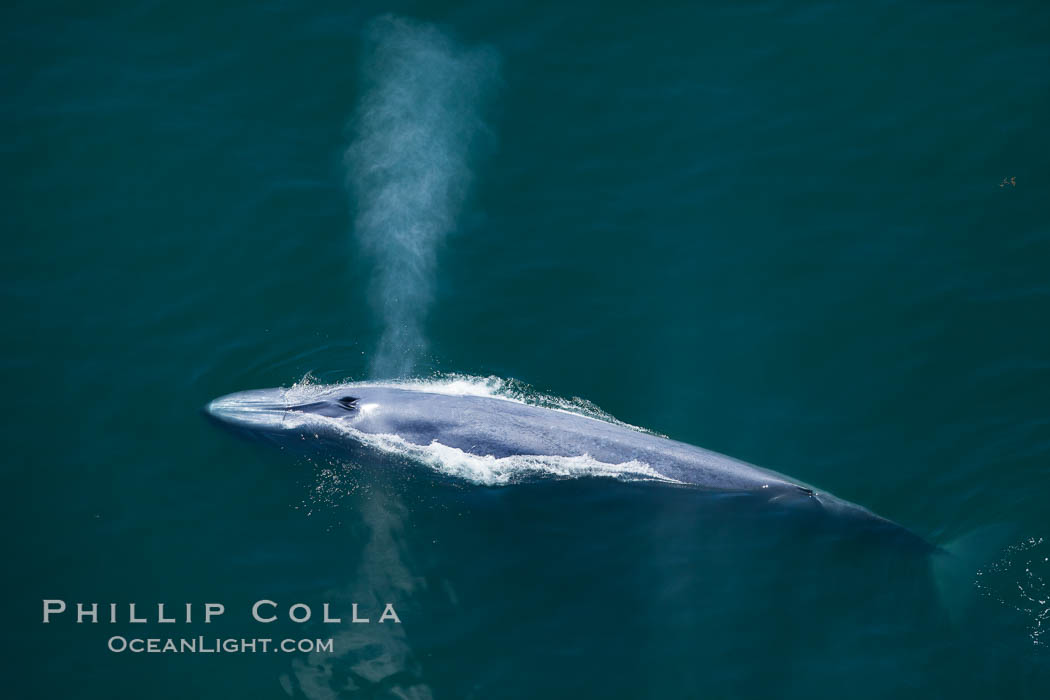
column 216, row 645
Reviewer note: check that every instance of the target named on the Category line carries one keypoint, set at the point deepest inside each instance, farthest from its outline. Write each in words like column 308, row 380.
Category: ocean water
column 812, row 236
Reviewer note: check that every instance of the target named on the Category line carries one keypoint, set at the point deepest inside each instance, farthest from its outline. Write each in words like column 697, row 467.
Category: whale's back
column 486, row 426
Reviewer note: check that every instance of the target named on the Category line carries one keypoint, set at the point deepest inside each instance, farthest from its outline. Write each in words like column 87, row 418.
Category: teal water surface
column 812, row 236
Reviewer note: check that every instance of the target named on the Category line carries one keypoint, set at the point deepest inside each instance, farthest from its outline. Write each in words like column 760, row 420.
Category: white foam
column 493, row 471
column 488, row 470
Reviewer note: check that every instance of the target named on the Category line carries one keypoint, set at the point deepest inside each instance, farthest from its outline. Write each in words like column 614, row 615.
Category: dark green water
column 776, row 230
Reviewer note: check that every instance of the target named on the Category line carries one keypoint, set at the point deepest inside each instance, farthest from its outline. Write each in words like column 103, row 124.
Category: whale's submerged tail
column 955, row 567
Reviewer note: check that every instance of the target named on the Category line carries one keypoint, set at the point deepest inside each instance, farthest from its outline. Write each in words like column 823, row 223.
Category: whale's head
column 344, row 412
column 290, row 411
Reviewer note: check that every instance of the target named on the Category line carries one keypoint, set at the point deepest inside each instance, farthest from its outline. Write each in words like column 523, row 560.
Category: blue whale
column 493, row 439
